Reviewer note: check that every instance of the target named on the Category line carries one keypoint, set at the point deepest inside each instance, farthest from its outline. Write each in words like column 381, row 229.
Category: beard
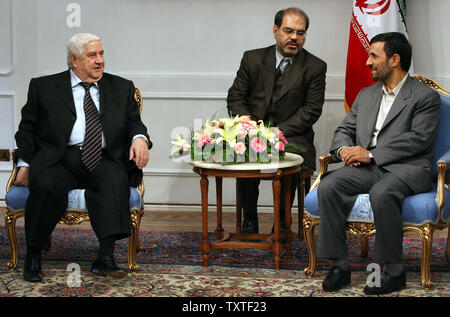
column 383, row 72
column 287, row 51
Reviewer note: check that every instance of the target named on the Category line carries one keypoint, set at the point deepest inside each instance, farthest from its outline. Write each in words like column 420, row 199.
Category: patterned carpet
column 172, row 268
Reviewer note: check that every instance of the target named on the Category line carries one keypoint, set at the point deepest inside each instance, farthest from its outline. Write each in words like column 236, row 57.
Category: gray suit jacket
column 301, row 98
column 406, row 139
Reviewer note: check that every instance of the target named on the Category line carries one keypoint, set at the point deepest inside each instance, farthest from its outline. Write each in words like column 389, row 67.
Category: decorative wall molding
column 8, row 9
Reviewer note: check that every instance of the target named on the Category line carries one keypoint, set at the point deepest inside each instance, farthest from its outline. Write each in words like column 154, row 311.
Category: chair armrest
column 324, row 161
column 141, row 188
column 443, row 165
column 13, row 175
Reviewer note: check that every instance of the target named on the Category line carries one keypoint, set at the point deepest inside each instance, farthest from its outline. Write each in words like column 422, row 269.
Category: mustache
column 292, row 42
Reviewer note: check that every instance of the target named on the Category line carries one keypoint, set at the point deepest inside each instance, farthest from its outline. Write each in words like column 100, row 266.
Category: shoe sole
column 379, row 292
column 331, row 289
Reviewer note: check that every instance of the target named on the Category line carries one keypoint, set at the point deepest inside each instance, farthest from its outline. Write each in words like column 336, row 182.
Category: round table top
column 290, row 160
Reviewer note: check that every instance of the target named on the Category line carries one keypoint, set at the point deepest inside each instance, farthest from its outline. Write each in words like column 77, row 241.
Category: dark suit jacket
column 301, row 98
column 405, row 141
column 49, row 115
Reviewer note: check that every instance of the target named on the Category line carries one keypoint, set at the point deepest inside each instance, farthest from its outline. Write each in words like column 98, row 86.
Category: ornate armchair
column 76, row 213
column 422, row 213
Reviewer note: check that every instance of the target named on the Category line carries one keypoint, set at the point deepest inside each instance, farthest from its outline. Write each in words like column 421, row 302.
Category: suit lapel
column 399, row 103
column 268, row 73
column 106, row 96
column 64, row 92
column 294, row 72
column 372, row 113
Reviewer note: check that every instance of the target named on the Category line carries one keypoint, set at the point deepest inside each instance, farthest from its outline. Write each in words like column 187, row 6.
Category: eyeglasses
column 300, row 33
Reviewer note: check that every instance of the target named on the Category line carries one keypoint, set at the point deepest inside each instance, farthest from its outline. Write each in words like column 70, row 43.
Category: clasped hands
column 354, row 155
column 138, row 152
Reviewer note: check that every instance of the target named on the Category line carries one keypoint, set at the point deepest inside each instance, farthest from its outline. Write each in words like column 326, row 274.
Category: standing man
column 386, row 143
column 283, row 84
column 80, row 128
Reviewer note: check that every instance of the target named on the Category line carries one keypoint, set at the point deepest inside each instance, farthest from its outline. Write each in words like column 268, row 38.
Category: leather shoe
column 336, row 279
column 250, row 226
column 106, row 266
column 32, row 271
column 388, row 284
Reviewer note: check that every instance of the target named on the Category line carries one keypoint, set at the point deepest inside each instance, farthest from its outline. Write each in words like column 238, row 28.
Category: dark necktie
column 277, row 84
column 285, row 62
column 91, row 154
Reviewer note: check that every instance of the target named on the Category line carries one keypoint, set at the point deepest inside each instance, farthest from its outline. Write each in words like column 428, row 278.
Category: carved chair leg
column 364, row 240
column 133, row 240
column 10, row 222
column 308, row 229
column 427, row 248
column 140, row 247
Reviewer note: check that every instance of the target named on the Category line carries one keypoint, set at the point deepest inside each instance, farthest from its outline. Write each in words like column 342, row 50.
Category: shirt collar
column 74, row 80
column 279, row 57
column 397, row 88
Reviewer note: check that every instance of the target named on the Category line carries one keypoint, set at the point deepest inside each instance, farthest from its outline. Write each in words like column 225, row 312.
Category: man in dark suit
column 386, row 143
column 80, row 129
column 283, row 84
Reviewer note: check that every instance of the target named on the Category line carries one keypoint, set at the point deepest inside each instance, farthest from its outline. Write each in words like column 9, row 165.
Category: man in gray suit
column 283, row 84
column 386, row 143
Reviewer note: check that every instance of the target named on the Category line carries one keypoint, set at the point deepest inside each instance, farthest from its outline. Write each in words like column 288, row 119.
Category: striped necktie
column 91, row 154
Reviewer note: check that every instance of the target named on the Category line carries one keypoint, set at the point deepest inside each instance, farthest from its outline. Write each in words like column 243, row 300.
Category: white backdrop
column 183, row 55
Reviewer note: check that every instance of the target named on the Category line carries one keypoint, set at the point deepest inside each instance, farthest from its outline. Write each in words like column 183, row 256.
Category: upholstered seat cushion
column 17, row 196
column 417, row 209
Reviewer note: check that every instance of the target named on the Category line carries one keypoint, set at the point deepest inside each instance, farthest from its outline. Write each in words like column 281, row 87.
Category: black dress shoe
column 336, row 279
column 106, row 266
column 250, row 226
column 32, row 271
column 388, row 284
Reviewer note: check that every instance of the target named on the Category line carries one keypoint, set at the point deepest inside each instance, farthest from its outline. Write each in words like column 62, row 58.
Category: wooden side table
column 276, row 171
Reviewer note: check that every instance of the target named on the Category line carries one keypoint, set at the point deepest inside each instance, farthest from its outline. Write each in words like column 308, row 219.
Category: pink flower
column 257, row 145
column 240, row 148
column 242, row 134
column 282, row 137
column 205, row 140
column 279, row 146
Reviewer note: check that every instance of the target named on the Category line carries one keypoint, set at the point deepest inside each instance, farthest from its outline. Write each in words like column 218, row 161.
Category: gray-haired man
column 80, row 128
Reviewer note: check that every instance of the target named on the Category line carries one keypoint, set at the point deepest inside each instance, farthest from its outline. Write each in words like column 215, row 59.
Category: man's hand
column 354, row 155
column 22, row 176
column 139, row 152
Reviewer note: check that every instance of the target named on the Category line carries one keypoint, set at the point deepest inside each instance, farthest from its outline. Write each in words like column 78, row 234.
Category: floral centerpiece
column 234, row 140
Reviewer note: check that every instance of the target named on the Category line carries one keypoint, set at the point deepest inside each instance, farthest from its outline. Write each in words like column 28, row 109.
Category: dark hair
column 396, row 43
column 280, row 14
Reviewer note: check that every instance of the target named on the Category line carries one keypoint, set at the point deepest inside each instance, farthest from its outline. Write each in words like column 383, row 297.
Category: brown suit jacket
column 301, row 98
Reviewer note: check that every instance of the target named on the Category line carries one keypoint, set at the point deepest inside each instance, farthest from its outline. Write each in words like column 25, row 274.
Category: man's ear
column 275, row 30
column 73, row 59
column 395, row 60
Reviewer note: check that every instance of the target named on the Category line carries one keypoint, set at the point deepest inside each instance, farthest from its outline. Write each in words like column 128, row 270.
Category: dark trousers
column 337, row 192
column 107, row 197
column 249, row 193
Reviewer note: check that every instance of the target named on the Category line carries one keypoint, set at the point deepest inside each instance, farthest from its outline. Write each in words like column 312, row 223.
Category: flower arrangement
column 234, row 140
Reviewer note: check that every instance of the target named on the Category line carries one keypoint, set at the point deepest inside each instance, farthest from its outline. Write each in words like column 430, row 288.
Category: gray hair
column 76, row 45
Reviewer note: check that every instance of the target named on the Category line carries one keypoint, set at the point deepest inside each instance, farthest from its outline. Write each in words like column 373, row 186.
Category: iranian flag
column 369, row 18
